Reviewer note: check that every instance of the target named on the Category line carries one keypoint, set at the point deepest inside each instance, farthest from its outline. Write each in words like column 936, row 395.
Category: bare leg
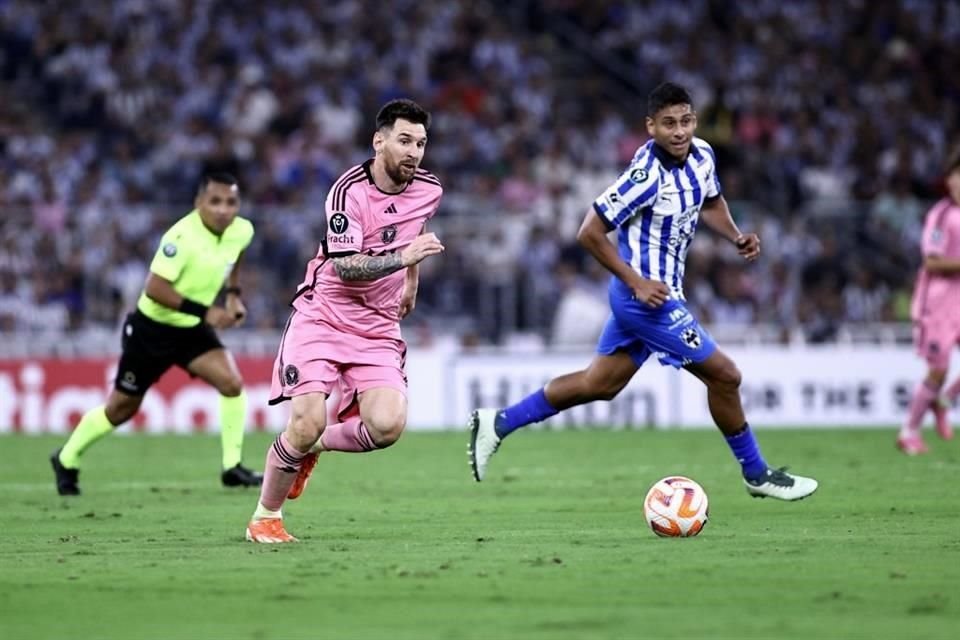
column 924, row 399
column 308, row 418
column 96, row 424
column 383, row 416
column 603, row 379
column 722, row 378
column 218, row 369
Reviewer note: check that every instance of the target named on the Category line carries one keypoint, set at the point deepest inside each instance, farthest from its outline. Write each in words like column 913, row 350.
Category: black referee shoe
column 66, row 478
column 240, row 476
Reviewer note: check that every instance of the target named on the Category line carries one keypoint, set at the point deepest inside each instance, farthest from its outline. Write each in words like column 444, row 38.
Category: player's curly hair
column 666, row 95
column 402, row 109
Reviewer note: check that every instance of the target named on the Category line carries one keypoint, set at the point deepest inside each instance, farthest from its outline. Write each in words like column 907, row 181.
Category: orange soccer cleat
column 268, row 531
column 306, row 468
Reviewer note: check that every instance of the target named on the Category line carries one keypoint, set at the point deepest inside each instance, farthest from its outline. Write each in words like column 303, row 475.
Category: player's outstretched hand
column 219, row 318
column 651, row 292
column 748, row 245
column 423, row 246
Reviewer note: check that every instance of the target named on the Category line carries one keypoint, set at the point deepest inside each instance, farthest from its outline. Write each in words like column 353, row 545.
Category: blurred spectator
column 582, row 310
column 822, row 115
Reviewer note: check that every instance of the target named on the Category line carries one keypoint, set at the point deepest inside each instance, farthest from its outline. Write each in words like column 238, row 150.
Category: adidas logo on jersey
column 391, row 209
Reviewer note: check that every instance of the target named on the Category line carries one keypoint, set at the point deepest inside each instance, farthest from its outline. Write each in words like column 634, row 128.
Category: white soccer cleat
column 484, row 441
column 779, row 484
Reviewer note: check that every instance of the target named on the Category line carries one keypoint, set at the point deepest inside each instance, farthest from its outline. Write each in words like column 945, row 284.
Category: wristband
column 234, row 290
column 193, row 308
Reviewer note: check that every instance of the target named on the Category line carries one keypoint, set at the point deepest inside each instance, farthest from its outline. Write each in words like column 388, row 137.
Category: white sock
column 262, row 513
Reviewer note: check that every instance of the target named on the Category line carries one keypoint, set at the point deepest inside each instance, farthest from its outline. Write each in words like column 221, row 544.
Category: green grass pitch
column 402, row 544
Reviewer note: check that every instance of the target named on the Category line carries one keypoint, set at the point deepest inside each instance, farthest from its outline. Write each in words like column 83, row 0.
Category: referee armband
column 193, row 308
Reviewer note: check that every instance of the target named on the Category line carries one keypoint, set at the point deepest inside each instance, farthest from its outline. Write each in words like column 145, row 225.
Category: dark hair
column 220, row 177
column 667, row 95
column 402, row 109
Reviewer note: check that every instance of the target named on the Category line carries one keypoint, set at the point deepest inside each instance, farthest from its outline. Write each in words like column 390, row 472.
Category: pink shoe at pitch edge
column 912, row 445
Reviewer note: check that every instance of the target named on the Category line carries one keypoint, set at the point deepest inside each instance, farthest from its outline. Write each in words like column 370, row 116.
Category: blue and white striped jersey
column 656, row 204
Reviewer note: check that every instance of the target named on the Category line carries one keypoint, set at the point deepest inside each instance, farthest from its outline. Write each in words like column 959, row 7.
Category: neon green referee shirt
column 197, row 262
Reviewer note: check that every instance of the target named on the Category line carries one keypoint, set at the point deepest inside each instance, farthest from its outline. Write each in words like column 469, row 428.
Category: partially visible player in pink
column 345, row 326
column 936, row 314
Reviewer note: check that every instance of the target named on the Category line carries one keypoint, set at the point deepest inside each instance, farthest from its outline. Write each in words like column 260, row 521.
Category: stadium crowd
column 830, row 120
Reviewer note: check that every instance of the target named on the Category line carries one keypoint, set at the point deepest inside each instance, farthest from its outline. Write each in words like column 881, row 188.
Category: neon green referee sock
column 233, row 415
column 93, row 426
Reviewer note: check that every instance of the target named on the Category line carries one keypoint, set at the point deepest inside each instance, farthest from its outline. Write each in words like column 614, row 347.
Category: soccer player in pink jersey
column 345, row 326
column 936, row 314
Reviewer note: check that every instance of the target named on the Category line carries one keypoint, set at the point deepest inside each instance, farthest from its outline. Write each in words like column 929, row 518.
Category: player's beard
column 398, row 173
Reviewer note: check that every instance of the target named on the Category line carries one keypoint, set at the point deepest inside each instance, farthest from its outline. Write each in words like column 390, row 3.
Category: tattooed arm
column 364, row 267
column 360, row 267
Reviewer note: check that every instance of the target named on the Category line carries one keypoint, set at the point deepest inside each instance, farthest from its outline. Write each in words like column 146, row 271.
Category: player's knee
column 118, row 415
column 728, row 377
column 120, row 409
column 232, row 387
column 385, row 430
column 306, row 425
column 384, row 439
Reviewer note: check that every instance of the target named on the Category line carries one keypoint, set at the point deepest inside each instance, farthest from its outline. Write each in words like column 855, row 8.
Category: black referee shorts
column 150, row 348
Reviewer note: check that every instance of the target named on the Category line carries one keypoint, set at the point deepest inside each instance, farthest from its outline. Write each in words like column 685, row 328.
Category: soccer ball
column 676, row 507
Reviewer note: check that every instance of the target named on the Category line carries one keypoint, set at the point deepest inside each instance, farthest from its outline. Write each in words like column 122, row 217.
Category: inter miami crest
column 339, row 223
column 388, row 234
column 691, row 338
column 291, row 375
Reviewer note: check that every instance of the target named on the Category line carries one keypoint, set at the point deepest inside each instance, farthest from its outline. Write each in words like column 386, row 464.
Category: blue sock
column 747, row 452
column 533, row 408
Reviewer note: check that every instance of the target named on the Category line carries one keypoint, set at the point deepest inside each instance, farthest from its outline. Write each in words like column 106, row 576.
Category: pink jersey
column 938, row 296
column 363, row 219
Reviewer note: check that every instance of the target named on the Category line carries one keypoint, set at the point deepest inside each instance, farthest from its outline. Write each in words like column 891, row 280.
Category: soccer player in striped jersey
column 936, row 315
column 654, row 206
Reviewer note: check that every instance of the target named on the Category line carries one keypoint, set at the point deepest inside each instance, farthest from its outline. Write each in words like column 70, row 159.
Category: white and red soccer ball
column 676, row 507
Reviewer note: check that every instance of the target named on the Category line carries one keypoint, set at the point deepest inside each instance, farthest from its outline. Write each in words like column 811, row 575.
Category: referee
column 174, row 324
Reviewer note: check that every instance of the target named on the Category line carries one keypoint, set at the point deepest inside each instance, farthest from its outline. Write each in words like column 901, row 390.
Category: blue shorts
column 669, row 332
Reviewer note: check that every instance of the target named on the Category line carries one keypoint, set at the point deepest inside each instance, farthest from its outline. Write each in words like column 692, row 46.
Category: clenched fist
column 748, row 246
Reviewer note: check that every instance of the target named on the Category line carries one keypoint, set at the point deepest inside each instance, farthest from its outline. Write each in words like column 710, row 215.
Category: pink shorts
column 316, row 357
column 935, row 341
